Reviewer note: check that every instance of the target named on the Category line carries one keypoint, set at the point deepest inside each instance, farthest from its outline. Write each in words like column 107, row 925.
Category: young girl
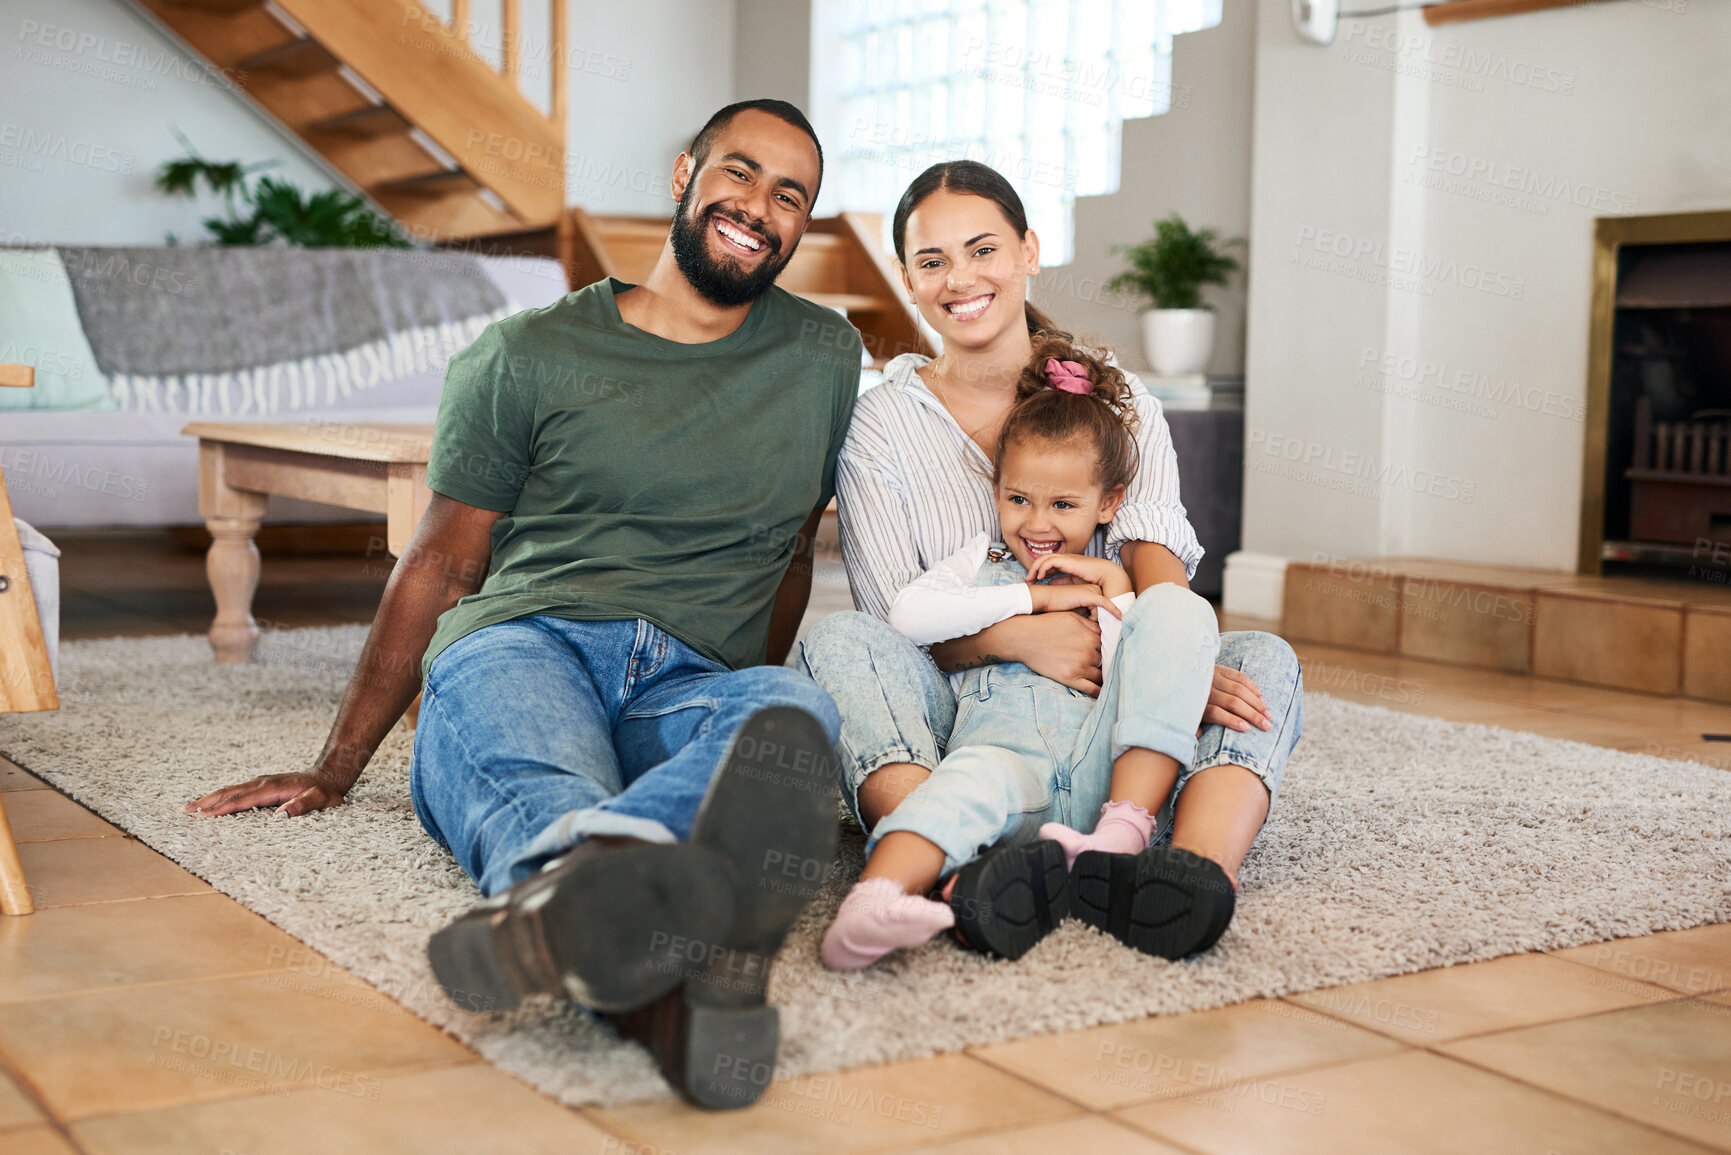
column 1031, row 762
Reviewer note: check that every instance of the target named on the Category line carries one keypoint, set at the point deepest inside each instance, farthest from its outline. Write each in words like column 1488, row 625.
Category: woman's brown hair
column 1102, row 418
column 1105, row 416
column 974, row 179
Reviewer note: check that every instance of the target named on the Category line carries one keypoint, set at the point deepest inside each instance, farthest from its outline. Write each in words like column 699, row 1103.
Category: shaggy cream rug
column 1399, row 843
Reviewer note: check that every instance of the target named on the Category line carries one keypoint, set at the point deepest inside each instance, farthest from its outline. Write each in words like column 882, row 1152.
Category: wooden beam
column 559, row 66
column 1455, row 11
column 17, row 376
column 509, row 17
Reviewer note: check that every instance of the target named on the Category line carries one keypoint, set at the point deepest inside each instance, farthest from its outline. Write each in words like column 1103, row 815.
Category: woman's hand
column 1235, row 702
column 1078, row 596
column 1109, row 576
column 1062, row 647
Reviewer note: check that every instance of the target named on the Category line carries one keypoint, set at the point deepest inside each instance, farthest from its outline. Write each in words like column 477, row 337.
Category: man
column 620, row 483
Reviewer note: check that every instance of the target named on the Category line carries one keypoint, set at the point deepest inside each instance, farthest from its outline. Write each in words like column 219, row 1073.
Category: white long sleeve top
column 911, row 488
column 947, row 602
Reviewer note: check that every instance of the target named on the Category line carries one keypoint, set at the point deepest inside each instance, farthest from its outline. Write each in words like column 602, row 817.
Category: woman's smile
column 969, row 308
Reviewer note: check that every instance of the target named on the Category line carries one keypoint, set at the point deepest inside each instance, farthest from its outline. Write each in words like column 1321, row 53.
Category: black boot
column 771, row 814
column 1010, row 898
column 611, row 926
column 1164, row 902
column 716, row 1056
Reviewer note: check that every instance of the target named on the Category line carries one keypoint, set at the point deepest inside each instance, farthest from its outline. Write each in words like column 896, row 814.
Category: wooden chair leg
column 14, row 895
column 26, row 676
column 26, row 683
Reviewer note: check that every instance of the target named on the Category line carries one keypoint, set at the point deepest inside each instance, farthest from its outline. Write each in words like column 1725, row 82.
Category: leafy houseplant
column 279, row 211
column 1170, row 268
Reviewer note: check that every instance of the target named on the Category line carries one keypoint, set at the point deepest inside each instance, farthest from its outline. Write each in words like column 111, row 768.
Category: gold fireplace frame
column 1609, row 235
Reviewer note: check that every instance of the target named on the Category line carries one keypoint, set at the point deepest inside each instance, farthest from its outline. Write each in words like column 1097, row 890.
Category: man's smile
column 737, row 238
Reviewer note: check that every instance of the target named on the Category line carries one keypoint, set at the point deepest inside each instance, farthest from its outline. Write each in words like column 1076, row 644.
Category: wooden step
column 369, row 123
column 1654, row 636
column 430, row 74
column 418, row 75
column 451, row 217
column 303, row 57
column 217, row 7
column 433, row 184
column 849, row 303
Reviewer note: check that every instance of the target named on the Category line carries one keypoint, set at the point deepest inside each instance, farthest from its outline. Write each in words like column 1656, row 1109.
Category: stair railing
column 511, row 22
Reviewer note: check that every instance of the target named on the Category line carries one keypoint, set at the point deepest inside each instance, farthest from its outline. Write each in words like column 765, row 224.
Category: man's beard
column 720, row 281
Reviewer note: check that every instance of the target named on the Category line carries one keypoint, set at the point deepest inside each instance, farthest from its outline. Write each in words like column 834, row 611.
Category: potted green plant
column 1170, row 268
column 280, row 211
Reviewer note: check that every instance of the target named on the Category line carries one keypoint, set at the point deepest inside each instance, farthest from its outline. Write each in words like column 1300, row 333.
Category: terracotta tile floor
column 141, row 1011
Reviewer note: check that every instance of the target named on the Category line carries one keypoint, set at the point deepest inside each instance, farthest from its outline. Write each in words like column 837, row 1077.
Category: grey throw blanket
column 257, row 330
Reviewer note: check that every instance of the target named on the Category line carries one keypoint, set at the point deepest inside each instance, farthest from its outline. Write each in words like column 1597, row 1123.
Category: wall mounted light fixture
column 1315, row 20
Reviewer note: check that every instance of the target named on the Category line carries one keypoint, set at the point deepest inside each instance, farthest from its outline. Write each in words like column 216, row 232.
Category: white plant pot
column 1178, row 341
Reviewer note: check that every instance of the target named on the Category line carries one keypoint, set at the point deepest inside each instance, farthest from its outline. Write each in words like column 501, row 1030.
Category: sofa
column 98, row 442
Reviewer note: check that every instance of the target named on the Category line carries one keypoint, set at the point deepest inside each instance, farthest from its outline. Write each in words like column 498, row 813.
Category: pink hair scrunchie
column 1068, row 376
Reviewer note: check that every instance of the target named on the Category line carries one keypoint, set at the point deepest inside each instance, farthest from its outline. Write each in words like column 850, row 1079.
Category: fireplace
column 1656, row 486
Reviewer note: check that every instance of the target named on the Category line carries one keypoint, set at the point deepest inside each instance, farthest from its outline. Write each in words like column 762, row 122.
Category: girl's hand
column 1108, row 576
column 1078, row 596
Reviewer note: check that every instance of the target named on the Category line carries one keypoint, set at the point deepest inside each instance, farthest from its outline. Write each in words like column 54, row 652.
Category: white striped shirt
column 912, row 488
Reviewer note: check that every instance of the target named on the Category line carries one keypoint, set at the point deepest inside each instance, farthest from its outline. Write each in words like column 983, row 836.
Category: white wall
column 1474, row 287
column 90, row 94
column 628, row 124
column 1193, row 159
column 772, row 51
column 86, row 118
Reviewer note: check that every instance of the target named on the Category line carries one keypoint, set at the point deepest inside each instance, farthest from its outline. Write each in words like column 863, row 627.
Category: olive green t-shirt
column 640, row 477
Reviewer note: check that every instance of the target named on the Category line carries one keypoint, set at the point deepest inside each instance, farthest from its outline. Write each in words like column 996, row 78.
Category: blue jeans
column 539, row 732
column 896, row 706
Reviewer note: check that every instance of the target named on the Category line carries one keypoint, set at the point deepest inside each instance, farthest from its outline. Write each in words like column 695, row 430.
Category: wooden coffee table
column 378, row 468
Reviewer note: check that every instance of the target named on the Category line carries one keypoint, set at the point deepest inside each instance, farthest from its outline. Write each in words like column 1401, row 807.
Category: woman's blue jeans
column 897, row 707
column 539, row 732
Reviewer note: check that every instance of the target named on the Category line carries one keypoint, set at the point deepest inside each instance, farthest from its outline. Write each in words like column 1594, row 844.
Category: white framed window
column 1038, row 89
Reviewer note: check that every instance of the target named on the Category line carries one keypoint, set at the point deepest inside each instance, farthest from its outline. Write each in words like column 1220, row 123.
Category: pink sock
column 1124, row 828
column 876, row 917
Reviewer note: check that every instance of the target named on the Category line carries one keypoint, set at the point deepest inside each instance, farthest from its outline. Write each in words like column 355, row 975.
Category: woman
column 914, row 485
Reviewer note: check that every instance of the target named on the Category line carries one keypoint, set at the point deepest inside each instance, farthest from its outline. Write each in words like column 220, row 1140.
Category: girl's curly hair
column 1103, row 418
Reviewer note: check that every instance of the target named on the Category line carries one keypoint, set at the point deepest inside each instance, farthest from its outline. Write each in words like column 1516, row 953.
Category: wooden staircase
column 839, row 263
column 398, row 102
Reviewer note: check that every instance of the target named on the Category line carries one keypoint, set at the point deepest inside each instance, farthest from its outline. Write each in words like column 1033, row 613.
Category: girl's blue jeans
column 1018, row 749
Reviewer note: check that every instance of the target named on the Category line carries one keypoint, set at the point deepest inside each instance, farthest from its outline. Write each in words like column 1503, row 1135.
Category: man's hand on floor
column 292, row 795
